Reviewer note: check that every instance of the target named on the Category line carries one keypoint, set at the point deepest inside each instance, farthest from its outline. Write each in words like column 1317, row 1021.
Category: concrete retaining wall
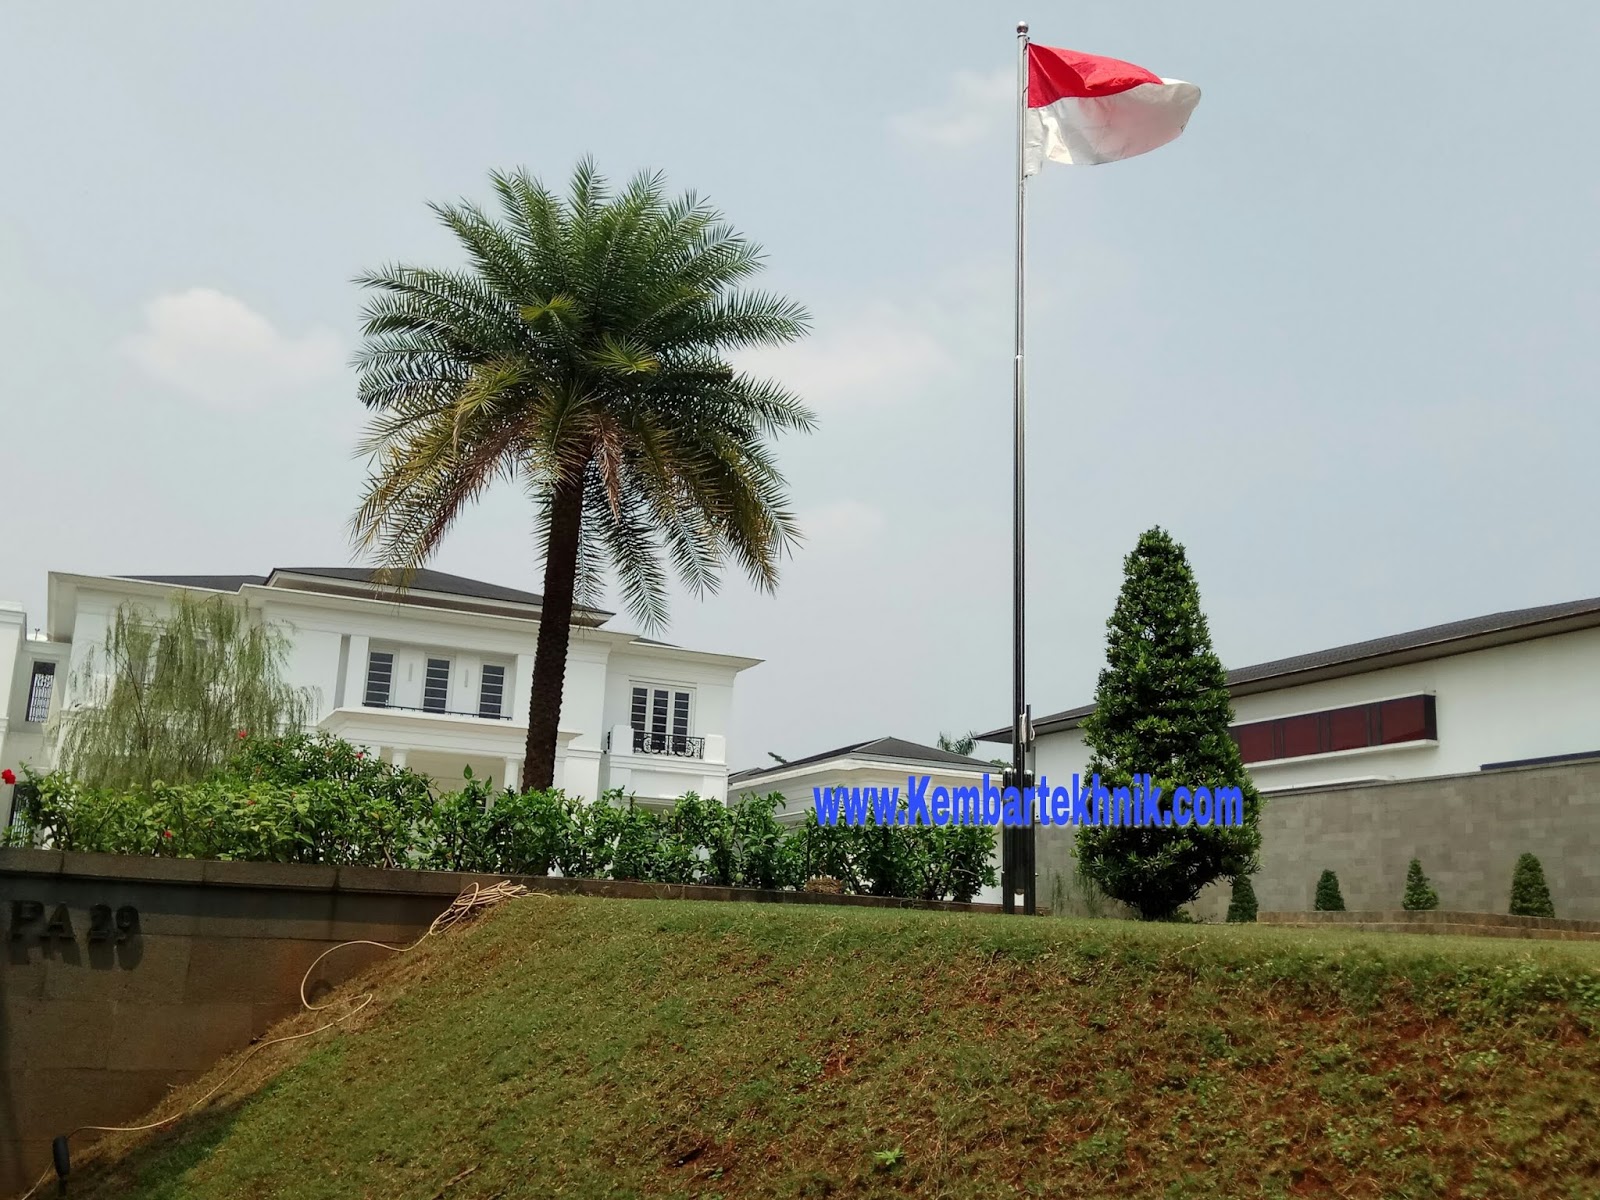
column 124, row 976
column 1468, row 830
column 1439, row 920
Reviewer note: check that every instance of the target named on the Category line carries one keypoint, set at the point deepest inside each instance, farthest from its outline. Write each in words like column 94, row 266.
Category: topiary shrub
column 1162, row 704
column 1420, row 896
column 1328, row 898
column 1242, row 904
column 1530, row 895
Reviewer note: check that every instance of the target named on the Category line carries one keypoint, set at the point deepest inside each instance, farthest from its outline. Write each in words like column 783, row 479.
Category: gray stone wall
column 1467, row 829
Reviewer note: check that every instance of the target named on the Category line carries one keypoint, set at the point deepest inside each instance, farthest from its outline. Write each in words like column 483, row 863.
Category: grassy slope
column 616, row 1048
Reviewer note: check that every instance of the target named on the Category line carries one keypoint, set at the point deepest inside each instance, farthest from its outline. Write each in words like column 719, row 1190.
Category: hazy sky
column 1340, row 337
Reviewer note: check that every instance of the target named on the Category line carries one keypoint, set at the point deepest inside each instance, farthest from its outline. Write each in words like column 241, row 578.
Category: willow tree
column 582, row 354
column 170, row 698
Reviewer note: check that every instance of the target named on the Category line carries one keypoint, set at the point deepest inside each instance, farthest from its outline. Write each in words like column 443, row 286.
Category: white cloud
column 842, row 526
column 220, row 351
column 878, row 357
column 977, row 106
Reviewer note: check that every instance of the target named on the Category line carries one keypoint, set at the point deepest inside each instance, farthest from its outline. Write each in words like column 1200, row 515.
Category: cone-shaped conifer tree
column 1530, row 895
column 1162, row 708
column 1242, row 904
column 1329, row 898
column 1420, row 895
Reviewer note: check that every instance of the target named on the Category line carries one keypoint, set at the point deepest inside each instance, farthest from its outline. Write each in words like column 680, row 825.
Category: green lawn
column 580, row 1047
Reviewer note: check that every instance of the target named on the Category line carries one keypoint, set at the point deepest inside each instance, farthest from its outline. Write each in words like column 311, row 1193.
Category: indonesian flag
column 1084, row 109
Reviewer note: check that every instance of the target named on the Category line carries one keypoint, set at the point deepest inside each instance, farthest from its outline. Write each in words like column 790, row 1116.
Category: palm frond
column 585, row 338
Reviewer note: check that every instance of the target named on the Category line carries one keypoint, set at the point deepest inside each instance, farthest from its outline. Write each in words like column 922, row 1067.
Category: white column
column 513, row 776
column 355, row 671
column 397, row 756
column 521, row 685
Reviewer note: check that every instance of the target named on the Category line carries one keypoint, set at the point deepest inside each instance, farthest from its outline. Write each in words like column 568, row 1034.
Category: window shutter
column 436, row 686
column 380, row 678
column 492, row 691
column 680, row 722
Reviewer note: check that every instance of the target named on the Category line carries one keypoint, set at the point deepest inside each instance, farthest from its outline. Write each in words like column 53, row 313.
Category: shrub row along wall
column 1466, row 829
column 317, row 799
column 126, row 975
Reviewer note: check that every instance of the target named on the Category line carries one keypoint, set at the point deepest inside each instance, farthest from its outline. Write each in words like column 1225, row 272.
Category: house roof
column 421, row 581
column 206, row 583
column 438, row 582
column 884, row 747
column 1417, row 645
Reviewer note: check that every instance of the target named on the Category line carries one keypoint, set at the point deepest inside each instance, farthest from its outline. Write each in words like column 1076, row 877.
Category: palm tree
column 961, row 743
column 581, row 355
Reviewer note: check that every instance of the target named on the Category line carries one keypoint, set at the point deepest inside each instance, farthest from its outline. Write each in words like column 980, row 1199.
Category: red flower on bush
column 361, row 753
column 166, row 833
column 8, row 776
column 243, row 733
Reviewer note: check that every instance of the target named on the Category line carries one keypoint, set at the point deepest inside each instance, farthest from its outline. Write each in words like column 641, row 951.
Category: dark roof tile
column 205, row 583
column 884, row 747
column 421, row 581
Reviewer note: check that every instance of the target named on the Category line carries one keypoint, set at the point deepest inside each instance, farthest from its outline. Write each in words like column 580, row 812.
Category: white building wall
column 662, row 777
column 330, row 637
column 314, row 663
column 24, row 742
column 1058, row 755
column 1525, row 700
column 13, row 628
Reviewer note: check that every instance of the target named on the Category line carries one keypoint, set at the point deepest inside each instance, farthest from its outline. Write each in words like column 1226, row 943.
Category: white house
column 1511, row 688
column 881, row 762
column 436, row 677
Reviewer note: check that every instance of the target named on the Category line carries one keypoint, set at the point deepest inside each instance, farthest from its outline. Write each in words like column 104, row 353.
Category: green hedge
column 316, row 799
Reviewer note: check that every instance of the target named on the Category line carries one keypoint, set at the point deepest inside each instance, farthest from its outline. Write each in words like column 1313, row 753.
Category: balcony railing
column 439, row 712
column 677, row 745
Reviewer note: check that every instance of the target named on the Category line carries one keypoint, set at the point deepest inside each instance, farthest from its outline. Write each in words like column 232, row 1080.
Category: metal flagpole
column 1016, row 845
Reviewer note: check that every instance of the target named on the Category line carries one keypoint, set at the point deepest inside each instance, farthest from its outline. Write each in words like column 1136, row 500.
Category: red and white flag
column 1084, row 109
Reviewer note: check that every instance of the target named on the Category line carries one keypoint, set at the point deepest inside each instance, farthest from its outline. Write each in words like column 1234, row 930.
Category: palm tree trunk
column 555, row 631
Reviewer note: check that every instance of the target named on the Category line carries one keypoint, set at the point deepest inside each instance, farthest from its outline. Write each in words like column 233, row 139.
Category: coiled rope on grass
column 471, row 901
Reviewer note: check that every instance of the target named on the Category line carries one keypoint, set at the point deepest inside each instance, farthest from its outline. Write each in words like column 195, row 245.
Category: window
column 658, row 713
column 1302, row 736
column 660, row 718
column 39, row 689
column 492, row 691
column 380, row 678
column 1383, row 723
column 1255, row 741
column 680, row 722
column 1350, row 728
column 436, row 686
